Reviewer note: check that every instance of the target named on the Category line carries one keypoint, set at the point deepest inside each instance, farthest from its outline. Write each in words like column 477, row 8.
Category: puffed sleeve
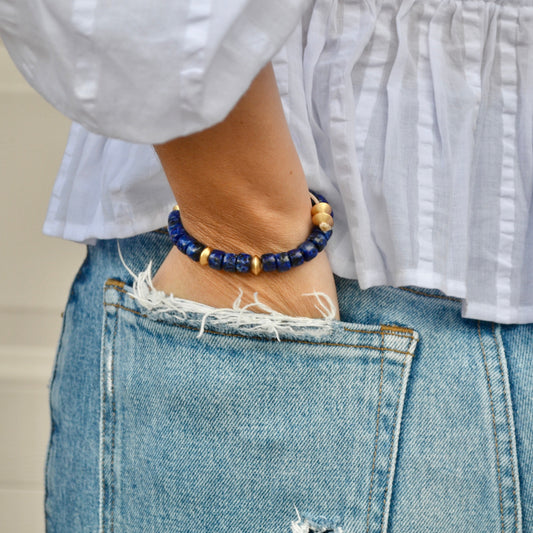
column 145, row 71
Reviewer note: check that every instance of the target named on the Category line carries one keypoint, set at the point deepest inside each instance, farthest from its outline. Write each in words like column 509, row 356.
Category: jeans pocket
column 243, row 432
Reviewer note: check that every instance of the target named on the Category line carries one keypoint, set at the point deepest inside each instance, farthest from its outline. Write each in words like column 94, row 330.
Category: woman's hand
column 241, row 188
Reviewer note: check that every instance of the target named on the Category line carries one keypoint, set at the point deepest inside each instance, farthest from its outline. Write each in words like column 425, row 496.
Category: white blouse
column 413, row 117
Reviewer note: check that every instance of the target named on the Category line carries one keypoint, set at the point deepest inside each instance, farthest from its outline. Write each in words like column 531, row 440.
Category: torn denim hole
column 253, row 318
column 318, row 524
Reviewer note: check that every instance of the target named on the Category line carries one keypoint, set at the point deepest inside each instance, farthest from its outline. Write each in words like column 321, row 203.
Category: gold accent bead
column 176, row 208
column 204, row 256
column 256, row 266
column 321, row 207
column 323, row 221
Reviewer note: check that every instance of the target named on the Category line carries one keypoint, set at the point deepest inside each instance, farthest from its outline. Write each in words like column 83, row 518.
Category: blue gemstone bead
column 215, row 259
column 173, row 217
column 183, row 242
column 328, row 234
column 318, row 239
column 308, row 249
column 243, row 263
column 269, row 262
column 296, row 257
column 228, row 263
column 283, row 263
column 176, row 230
column 194, row 250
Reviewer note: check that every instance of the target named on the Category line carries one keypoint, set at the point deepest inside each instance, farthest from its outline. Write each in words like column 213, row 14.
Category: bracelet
column 321, row 215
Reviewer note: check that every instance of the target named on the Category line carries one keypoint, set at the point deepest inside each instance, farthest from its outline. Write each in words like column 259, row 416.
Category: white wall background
column 35, row 274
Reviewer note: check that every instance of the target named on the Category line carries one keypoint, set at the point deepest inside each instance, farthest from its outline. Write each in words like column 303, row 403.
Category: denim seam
column 114, row 421
column 111, row 481
column 412, row 344
column 493, row 424
column 392, row 333
column 375, row 439
column 379, row 332
column 299, row 341
column 102, row 436
column 451, row 298
column 115, row 288
column 507, row 418
column 112, row 283
column 396, row 426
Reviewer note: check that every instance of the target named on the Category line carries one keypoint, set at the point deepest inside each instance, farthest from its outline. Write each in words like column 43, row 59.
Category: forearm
column 241, row 188
column 241, row 182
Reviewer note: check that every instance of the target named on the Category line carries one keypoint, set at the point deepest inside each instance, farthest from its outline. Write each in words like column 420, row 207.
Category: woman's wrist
column 256, row 225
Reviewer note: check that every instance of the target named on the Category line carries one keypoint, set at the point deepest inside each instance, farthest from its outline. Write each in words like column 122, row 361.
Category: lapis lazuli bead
column 215, row 259
column 283, row 263
column 269, row 262
column 176, row 231
column 318, row 238
column 183, row 242
column 296, row 257
column 308, row 249
column 174, row 217
column 243, row 263
column 194, row 250
column 228, row 263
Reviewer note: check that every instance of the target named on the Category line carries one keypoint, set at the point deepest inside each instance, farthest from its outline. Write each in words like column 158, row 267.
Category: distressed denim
column 401, row 417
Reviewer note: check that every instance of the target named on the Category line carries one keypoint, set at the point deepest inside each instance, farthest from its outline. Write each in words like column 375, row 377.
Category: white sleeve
column 145, row 71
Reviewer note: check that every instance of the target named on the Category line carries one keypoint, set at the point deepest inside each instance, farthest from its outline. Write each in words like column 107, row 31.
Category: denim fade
column 403, row 417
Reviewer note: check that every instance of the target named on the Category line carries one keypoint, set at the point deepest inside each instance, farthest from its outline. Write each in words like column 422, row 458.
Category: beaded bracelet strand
column 321, row 215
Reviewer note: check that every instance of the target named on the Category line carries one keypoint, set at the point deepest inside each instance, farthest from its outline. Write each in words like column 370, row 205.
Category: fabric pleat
column 431, row 150
column 413, row 117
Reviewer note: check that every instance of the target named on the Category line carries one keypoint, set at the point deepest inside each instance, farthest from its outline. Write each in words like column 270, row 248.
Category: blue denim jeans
column 402, row 417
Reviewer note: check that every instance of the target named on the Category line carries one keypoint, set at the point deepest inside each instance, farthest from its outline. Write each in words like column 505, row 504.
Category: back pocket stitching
column 107, row 474
column 393, row 438
column 375, row 440
column 102, row 431
column 251, row 337
column 509, row 432
column 114, row 420
column 493, row 425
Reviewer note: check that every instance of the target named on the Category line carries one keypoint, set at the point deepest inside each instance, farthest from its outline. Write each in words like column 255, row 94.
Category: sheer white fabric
column 413, row 117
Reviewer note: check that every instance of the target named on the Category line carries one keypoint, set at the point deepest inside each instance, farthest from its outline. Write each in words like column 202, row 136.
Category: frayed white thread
column 297, row 526
column 324, row 305
column 306, row 526
column 255, row 317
